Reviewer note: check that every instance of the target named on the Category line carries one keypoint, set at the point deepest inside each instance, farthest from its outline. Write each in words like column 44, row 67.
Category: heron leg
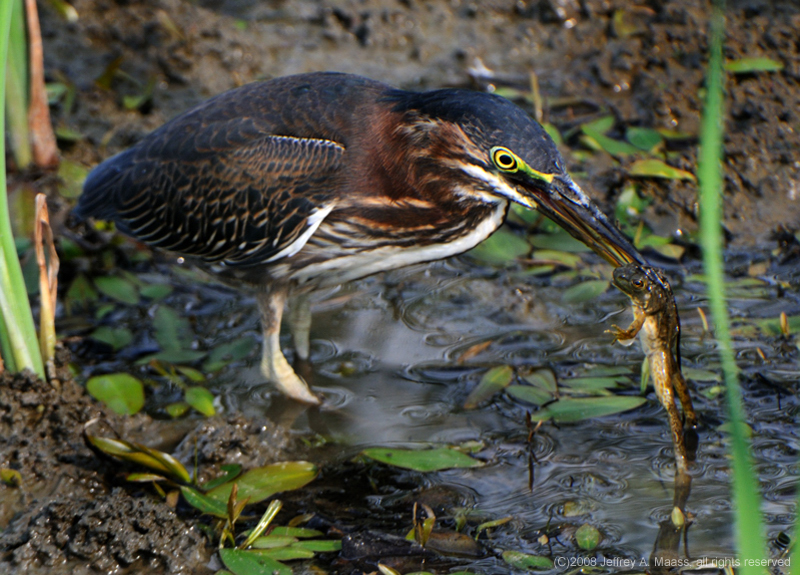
column 300, row 324
column 273, row 363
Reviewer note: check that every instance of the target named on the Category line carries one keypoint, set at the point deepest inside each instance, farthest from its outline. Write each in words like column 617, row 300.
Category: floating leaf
column 299, row 532
column 696, row 374
column 652, row 168
column 272, row 541
column 581, row 408
column 750, row 65
column 584, row 292
column 543, row 379
column 172, row 331
column 423, row 460
column 319, row 545
column 116, row 337
column 262, row 482
column 252, row 563
column 156, row 291
column 591, row 384
column 201, row 399
column 141, row 455
column 121, row 392
column 519, row 560
column 644, row 138
column 587, row 537
column 226, row 353
column 530, row 394
column 286, row 553
column 118, row 288
column 492, row 382
column 502, row 247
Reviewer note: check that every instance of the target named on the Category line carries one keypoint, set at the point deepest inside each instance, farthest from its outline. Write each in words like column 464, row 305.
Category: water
column 386, row 354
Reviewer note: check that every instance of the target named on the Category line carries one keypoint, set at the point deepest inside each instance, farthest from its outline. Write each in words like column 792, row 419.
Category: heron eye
column 504, row 159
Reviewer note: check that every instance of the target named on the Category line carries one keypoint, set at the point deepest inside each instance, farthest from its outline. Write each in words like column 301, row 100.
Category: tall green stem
column 19, row 346
column 748, row 520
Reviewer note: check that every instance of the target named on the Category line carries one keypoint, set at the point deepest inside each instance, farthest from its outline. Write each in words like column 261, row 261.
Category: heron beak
column 566, row 204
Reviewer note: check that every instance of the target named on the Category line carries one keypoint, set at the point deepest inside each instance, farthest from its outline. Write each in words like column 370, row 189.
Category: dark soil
column 70, row 511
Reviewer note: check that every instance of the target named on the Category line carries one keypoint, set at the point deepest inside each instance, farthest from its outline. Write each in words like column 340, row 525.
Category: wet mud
column 72, row 512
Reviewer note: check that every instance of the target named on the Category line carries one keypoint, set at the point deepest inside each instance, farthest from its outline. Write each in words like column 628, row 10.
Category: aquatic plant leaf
column 299, row 532
column 319, row 545
column 272, row 541
column 193, row 374
column 263, row 482
column 606, row 371
column 117, row 288
column 156, row 291
column 10, row 477
column 559, row 241
column 435, row 459
column 520, row 560
column 144, row 477
column 177, row 409
column 502, row 247
column 599, row 126
column 453, row 543
column 72, row 176
column 530, row 394
column 644, row 138
column 595, row 138
column 652, row 168
column 121, row 392
column 671, row 251
column 79, row 294
column 584, row 292
column 565, row 259
column 252, row 563
column 491, row 524
column 492, row 382
column 580, row 408
column 231, row 471
column 141, row 455
column 203, row 503
column 285, row 553
column 144, row 96
column 696, row 374
column 543, row 379
column 587, row 537
column 116, row 337
column 591, row 384
column 750, row 65
column 553, row 132
column 226, row 353
column 772, row 326
column 201, row 399
column 172, row 331
column 175, row 356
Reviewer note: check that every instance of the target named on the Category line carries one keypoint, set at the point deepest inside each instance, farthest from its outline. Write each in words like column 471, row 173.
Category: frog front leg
column 626, row 334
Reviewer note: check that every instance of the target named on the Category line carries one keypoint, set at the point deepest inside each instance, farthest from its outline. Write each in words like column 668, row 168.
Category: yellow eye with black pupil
column 504, row 160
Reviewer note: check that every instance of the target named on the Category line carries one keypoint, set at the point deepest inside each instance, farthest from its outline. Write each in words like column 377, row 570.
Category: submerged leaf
column 116, row 337
column 530, row 394
column 580, row 408
column 118, row 288
column 519, row 560
column 263, row 482
column 587, row 537
column 584, row 292
column 750, row 65
column 252, row 563
column 502, row 247
column 435, row 459
column 492, row 382
column 201, row 399
column 121, row 392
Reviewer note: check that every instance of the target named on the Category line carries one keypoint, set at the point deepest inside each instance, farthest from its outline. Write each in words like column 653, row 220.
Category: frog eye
column 504, row 159
column 637, row 282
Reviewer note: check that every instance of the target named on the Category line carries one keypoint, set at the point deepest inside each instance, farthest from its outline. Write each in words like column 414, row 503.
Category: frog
column 656, row 320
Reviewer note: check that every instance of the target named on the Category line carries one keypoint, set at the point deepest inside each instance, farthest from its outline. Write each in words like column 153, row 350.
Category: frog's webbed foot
column 624, row 335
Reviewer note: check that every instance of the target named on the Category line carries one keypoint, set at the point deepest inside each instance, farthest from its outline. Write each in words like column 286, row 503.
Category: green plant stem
column 20, row 346
column 749, row 526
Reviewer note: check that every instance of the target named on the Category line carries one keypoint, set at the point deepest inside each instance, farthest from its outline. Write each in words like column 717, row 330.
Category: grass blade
column 749, row 527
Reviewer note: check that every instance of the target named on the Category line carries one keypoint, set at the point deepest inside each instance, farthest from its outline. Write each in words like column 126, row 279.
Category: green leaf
column 299, row 532
column 72, row 175
column 121, row 392
column 203, row 503
column 201, row 399
column 273, row 541
column 566, row 259
column 502, row 247
column 644, row 138
column 599, row 126
column 492, row 382
column 543, row 379
column 232, row 471
column 530, row 394
column 226, row 353
column 144, row 477
column 652, row 168
column 596, row 138
column 80, row 294
column 10, row 477
column 263, row 482
column 286, row 553
column 252, row 563
column 172, row 331
column 584, row 292
column 519, row 560
column 559, row 241
column 581, row 408
column 177, row 409
column 175, row 356
column 116, row 337
column 553, row 132
column 587, row 537
column 141, row 455
column 423, row 460
column 696, row 374
column 750, row 65
column 118, row 288
column 591, row 384
column 156, row 291
column 319, row 545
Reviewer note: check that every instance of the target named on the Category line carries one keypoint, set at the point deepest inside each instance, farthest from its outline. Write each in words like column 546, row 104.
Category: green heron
column 313, row 180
